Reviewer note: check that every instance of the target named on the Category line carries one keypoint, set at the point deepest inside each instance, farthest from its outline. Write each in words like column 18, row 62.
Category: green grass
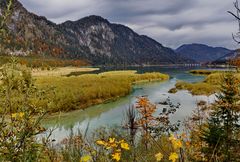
column 197, row 88
column 132, row 76
column 209, row 86
column 214, row 79
column 79, row 92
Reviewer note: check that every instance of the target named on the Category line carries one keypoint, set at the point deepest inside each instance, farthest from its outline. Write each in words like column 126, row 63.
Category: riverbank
column 112, row 114
column 80, row 92
column 203, row 72
column 210, row 85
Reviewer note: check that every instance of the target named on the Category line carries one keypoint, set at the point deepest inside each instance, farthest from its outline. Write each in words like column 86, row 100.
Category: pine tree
column 223, row 123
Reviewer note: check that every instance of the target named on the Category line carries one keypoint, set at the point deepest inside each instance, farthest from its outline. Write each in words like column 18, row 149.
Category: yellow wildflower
column 86, row 158
column 100, row 142
column 125, row 146
column 115, row 146
column 172, row 137
column 159, row 156
column 116, row 156
column 111, row 143
column 14, row 115
column 177, row 144
column 21, row 114
column 173, row 157
column 121, row 141
column 111, row 140
column 118, row 150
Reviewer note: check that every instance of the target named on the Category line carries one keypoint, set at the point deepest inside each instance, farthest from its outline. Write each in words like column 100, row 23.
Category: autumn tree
column 236, row 61
column 146, row 119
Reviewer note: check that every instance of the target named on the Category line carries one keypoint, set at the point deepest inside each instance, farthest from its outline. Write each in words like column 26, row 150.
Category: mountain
column 31, row 33
column 228, row 57
column 201, row 52
column 92, row 38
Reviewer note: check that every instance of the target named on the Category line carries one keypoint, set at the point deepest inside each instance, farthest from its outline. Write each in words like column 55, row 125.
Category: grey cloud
column 171, row 22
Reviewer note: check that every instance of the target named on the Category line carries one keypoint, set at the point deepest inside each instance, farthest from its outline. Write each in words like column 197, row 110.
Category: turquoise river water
column 112, row 114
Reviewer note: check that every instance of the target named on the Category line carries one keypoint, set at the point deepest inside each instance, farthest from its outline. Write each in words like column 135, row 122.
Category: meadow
column 144, row 134
column 80, row 92
column 210, row 85
column 61, row 71
column 203, row 72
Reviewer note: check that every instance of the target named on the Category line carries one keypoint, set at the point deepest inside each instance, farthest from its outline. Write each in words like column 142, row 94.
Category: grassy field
column 203, row 72
column 209, row 86
column 79, row 92
column 61, row 71
column 200, row 88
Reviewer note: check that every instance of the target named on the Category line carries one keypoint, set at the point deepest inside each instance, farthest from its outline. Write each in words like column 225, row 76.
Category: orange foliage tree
column 236, row 61
column 146, row 120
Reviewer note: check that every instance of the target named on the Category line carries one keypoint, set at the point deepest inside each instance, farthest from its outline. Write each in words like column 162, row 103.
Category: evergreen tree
column 223, row 123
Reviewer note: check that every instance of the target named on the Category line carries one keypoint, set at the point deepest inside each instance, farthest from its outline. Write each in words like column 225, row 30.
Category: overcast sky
column 171, row 22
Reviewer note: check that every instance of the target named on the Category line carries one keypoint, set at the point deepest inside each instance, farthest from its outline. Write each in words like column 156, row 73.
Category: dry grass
column 79, row 92
column 203, row 72
column 210, row 85
column 121, row 72
column 200, row 88
column 61, row 71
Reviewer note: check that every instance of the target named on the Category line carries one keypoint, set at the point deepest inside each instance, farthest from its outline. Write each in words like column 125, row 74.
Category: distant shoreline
column 168, row 65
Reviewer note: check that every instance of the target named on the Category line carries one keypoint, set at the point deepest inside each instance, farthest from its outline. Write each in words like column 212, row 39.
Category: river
column 112, row 114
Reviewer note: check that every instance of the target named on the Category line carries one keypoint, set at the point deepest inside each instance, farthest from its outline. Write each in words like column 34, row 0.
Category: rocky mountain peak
column 86, row 22
column 17, row 4
column 94, row 19
column 92, row 38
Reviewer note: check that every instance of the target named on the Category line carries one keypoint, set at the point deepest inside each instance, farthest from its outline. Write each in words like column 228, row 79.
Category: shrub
column 20, row 115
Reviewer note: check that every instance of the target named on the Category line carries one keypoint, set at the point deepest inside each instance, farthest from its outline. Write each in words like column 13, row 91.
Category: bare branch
column 235, row 39
column 238, row 18
column 236, row 6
